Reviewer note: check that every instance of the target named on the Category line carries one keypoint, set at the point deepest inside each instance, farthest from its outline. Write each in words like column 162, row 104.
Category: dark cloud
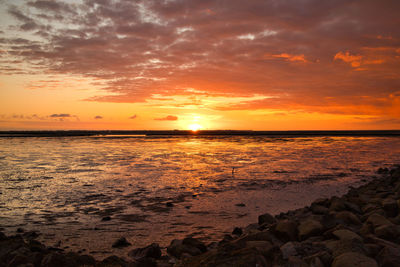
column 61, row 115
column 311, row 55
column 133, row 117
column 167, row 118
column 98, row 117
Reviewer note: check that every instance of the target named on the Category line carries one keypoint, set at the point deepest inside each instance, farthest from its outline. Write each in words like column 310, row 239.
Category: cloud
column 167, row 118
column 354, row 60
column 98, row 117
column 133, row 117
column 61, row 115
column 289, row 57
column 138, row 49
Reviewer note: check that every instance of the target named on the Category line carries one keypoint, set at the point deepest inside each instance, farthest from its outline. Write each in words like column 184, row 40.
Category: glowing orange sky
column 260, row 65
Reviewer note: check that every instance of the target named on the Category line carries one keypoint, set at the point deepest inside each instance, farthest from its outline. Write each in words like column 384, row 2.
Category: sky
column 199, row 64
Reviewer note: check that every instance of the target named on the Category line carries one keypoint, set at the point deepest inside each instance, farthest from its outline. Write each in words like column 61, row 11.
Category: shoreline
column 360, row 227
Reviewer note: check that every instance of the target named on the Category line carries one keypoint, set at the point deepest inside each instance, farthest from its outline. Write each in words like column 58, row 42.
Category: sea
column 81, row 193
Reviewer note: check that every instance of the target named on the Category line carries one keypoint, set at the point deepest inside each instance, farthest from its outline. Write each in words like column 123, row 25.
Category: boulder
column 347, row 217
column 286, row 230
column 309, row 228
column 390, row 207
column 389, row 256
column 344, row 234
column 388, row 232
column 319, row 209
column 353, row 259
column 289, row 249
column 377, row 220
column 151, row 251
column 266, row 219
column 189, row 246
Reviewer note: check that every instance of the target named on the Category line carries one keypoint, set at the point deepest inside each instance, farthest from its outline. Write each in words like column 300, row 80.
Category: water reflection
column 156, row 189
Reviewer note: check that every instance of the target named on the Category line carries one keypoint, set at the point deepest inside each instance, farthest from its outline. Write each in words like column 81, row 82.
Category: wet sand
column 360, row 227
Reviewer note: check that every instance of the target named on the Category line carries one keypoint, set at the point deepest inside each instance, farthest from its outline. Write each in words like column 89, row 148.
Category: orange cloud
column 354, row 60
column 167, row 118
column 290, row 57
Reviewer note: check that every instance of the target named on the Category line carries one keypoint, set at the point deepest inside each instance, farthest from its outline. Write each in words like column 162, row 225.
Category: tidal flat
column 83, row 193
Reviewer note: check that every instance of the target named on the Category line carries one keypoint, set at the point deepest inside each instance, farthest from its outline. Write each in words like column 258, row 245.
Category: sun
column 195, row 127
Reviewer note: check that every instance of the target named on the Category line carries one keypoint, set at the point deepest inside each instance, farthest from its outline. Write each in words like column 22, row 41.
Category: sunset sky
column 174, row 64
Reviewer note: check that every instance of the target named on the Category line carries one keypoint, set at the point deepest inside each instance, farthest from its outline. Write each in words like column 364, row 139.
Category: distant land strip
column 127, row 133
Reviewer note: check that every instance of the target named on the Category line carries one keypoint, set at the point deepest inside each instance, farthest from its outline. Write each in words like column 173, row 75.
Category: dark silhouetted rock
column 286, row 230
column 121, row 242
column 151, row 251
column 309, row 228
column 389, row 256
column 353, row 259
column 266, row 218
column 105, row 219
column 237, row 231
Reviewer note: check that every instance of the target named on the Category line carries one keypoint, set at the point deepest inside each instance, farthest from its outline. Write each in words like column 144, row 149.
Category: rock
column 344, row 234
column 353, row 259
column 289, row 249
column 348, row 217
column 390, row 207
column 145, row 262
column 240, row 205
column 377, row 220
column 20, row 230
column 169, row 204
column 55, row 259
column 266, row 218
column 319, row 209
column 339, row 247
column 382, row 170
column 389, row 256
column 337, row 204
column 107, row 218
column 237, row 231
column 388, row 232
column 112, row 261
column 121, row 242
column 189, row 241
column 309, row 228
column 189, row 246
column 286, row 230
column 296, row 262
column 151, row 251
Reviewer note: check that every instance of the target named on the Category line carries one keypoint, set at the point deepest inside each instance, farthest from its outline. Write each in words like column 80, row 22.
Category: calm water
column 63, row 187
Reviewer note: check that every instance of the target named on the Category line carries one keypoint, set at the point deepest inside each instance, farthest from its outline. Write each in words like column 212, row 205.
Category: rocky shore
column 361, row 228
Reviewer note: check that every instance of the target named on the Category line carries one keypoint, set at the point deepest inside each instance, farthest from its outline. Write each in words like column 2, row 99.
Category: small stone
column 240, row 205
column 309, row 228
column 121, row 242
column 169, row 204
column 20, row 230
column 266, row 218
column 107, row 218
column 353, row 259
column 237, row 231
